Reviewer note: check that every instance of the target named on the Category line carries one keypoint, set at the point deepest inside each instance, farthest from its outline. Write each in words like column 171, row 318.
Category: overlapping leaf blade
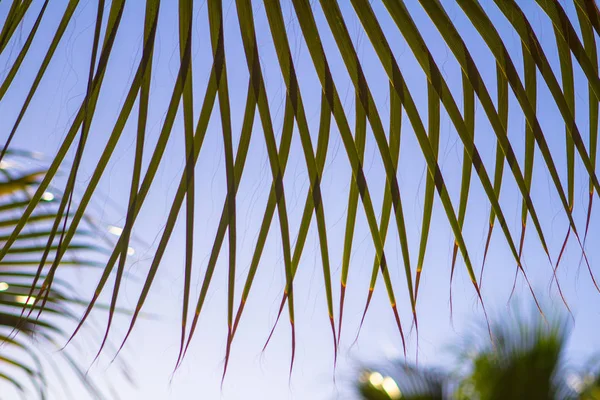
column 65, row 227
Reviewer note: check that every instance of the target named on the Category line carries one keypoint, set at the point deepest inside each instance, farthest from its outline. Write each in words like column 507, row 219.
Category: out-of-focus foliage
column 525, row 360
column 402, row 381
column 29, row 338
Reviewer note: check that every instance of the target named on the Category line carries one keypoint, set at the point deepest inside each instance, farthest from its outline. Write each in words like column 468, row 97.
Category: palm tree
column 400, row 380
column 575, row 29
column 525, row 360
column 27, row 335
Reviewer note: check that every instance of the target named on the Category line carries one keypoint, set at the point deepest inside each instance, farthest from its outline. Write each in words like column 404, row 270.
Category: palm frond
column 402, row 381
column 525, row 360
column 331, row 56
column 26, row 334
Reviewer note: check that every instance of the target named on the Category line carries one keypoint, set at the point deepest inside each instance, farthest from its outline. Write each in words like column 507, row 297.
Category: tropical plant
column 400, row 380
column 575, row 28
column 27, row 335
column 526, row 360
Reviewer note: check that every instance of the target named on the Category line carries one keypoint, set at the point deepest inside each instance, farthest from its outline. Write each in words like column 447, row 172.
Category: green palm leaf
column 25, row 334
column 63, row 227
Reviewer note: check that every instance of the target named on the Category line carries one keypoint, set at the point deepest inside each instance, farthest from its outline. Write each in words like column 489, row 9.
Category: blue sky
column 152, row 349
